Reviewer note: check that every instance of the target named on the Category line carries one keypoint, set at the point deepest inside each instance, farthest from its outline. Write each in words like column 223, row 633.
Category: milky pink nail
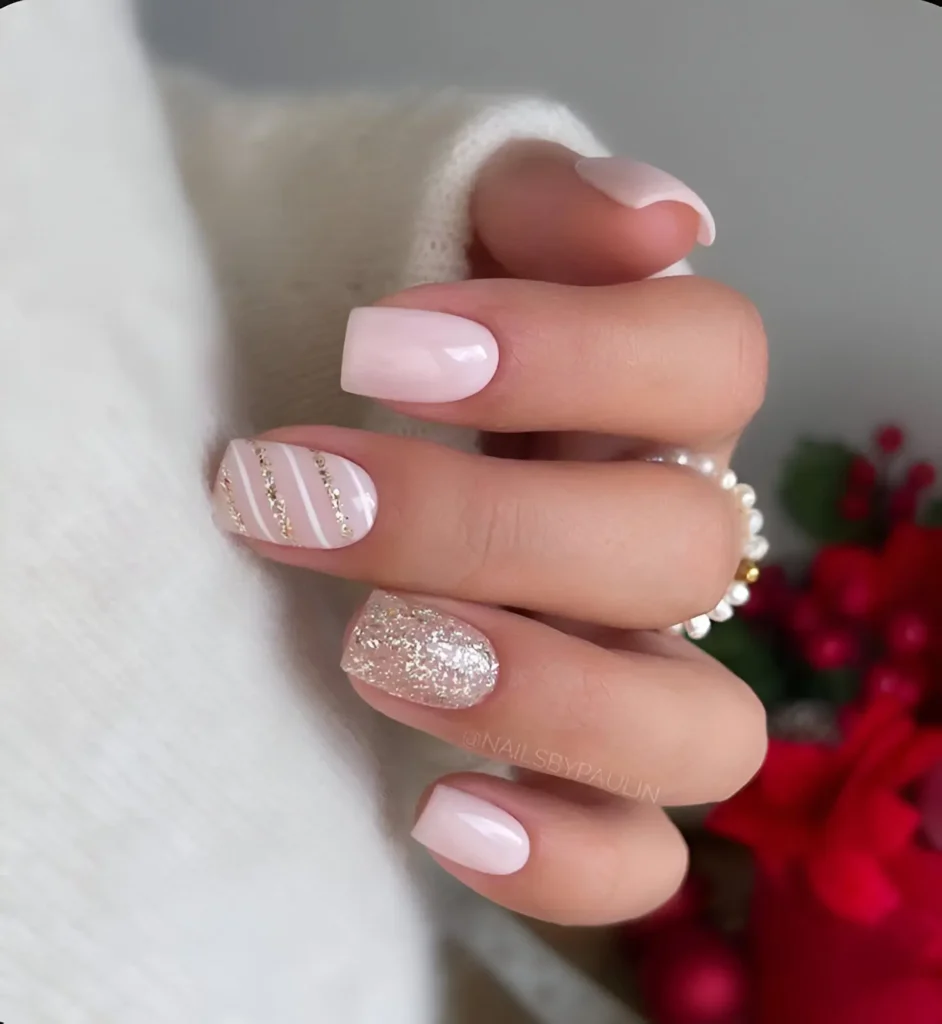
column 639, row 185
column 681, row 268
column 472, row 832
column 413, row 355
column 293, row 496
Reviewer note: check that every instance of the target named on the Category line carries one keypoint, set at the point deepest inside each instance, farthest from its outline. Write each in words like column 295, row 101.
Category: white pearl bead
column 756, row 548
column 698, row 627
column 745, row 495
column 677, row 630
column 681, row 458
column 729, row 480
column 722, row 612
column 738, row 593
column 756, row 521
column 704, row 464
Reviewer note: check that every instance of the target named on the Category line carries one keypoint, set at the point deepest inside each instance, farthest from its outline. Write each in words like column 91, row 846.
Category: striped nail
column 293, row 496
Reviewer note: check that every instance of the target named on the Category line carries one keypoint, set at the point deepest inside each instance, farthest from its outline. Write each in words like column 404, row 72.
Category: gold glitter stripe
column 275, row 501
column 225, row 482
column 333, row 493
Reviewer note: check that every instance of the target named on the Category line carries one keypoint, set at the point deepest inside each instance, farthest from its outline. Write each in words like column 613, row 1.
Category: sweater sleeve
column 310, row 207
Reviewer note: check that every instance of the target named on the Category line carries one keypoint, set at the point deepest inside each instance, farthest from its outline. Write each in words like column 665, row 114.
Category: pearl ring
column 754, row 546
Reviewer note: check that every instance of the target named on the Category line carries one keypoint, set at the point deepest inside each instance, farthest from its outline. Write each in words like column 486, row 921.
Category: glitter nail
column 420, row 654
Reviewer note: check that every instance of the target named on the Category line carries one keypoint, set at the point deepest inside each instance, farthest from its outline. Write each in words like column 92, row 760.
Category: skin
column 594, row 555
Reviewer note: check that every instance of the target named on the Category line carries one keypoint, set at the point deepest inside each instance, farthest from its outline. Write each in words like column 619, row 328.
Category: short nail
column 419, row 653
column 293, row 496
column 413, row 355
column 680, row 269
column 472, row 832
column 639, row 185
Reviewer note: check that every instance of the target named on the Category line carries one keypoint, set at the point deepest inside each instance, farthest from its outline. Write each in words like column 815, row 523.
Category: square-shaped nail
column 472, row 832
column 293, row 496
column 419, row 653
column 414, row 355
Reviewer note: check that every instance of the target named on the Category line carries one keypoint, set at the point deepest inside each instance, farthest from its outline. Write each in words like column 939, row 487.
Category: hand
column 564, row 336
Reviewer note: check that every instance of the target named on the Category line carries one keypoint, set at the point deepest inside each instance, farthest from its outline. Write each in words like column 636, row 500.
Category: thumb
column 541, row 212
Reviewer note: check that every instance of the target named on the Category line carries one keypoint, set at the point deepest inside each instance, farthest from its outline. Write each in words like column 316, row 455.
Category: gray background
column 812, row 127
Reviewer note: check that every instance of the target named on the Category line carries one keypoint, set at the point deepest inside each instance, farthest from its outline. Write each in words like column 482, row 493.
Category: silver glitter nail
column 420, row 654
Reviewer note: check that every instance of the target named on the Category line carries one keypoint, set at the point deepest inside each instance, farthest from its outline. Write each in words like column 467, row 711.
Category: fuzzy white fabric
column 199, row 823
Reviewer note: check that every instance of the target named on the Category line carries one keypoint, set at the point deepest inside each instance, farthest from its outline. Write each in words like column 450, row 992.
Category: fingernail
column 639, row 185
column 413, row 355
column 680, row 269
column 472, row 832
column 293, row 496
column 419, row 653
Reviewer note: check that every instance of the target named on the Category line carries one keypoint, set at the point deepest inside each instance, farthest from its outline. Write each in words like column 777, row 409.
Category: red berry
column 695, row 978
column 830, row 648
column 855, row 506
column 886, row 679
column 921, row 476
column 758, row 607
column 903, row 505
column 777, row 592
column 862, row 474
column 855, row 598
column 773, row 578
column 805, row 615
column 835, row 564
column 890, row 438
column 907, row 633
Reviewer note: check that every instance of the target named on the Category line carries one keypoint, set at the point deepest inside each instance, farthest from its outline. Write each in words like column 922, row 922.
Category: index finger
column 677, row 360
column 542, row 213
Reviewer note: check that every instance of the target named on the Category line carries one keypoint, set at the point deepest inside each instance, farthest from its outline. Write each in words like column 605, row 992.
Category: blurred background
column 810, row 126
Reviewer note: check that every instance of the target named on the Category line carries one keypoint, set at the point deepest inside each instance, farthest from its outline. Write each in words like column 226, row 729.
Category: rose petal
column 853, row 885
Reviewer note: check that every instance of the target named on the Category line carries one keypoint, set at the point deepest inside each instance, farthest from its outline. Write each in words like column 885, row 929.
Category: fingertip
column 664, row 232
column 639, row 186
column 543, row 213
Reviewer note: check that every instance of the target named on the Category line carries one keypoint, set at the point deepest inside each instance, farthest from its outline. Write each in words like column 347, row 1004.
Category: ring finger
column 641, row 724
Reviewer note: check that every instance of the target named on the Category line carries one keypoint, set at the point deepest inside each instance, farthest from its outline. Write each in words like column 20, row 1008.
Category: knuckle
column 659, row 876
column 490, row 533
column 605, row 885
column 745, row 740
column 711, row 551
column 742, row 350
column 749, row 360
column 673, row 865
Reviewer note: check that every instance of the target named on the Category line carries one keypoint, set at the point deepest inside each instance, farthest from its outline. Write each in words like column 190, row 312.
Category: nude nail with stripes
column 293, row 496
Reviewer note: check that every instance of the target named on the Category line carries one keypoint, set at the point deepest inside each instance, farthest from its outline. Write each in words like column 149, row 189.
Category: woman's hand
column 607, row 726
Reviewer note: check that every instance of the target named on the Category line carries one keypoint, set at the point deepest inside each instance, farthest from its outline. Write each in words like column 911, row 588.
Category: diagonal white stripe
column 248, row 490
column 305, row 496
column 367, row 501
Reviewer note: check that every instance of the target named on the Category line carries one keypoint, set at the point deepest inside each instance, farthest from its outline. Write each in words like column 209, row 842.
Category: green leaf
column 749, row 656
column 813, row 483
column 932, row 516
column 838, row 687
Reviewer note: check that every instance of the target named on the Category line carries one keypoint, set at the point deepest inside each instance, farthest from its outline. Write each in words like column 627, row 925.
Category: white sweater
column 199, row 822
